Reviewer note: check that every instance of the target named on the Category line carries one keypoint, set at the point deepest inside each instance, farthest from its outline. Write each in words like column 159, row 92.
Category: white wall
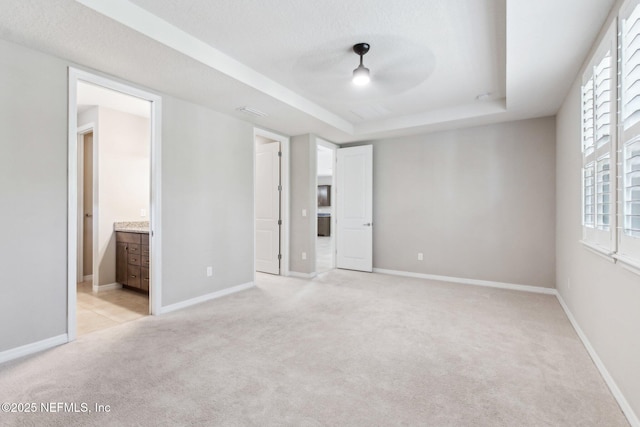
column 479, row 203
column 123, row 180
column 603, row 297
column 207, row 198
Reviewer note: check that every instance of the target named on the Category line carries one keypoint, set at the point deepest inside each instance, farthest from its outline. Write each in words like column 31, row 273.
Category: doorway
column 114, row 181
column 271, row 203
column 326, row 208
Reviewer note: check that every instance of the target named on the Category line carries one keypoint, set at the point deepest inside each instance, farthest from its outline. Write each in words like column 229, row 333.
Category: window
column 588, row 173
column 610, row 142
column 631, row 192
column 598, row 148
column 603, row 191
column 628, row 249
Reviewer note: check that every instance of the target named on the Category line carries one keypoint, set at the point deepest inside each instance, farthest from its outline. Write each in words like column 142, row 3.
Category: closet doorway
column 326, row 188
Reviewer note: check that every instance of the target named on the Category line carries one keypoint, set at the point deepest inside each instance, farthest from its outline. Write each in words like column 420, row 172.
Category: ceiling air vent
column 252, row 111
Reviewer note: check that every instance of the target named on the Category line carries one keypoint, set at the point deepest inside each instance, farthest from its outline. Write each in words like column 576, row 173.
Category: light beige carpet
column 346, row 349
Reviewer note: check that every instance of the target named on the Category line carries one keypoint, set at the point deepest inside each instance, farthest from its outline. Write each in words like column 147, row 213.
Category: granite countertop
column 323, row 214
column 132, row 226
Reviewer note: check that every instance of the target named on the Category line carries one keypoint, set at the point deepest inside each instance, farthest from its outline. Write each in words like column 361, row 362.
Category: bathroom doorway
column 114, row 189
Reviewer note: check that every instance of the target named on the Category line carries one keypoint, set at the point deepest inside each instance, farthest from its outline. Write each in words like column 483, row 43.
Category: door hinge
column 279, row 256
column 279, row 153
column 279, row 222
column 279, row 187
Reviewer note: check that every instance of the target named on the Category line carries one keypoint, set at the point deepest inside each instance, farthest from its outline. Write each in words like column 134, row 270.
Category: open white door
column 355, row 208
column 267, row 196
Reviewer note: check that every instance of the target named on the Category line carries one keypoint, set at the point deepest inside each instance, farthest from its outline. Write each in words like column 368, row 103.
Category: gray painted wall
column 207, row 201
column 303, row 193
column 207, row 198
column 479, row 203
column 603, row 297
column 33, row 196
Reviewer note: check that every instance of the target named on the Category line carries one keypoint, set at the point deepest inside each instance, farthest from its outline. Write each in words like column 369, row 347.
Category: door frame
column 81, row 133
column 334, row 202
column 284, row 201
column 76, row 75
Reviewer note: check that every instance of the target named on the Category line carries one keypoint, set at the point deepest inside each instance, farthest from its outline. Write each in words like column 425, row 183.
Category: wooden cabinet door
column 133, row 278
column 324, row 195
column 324, row 226
column 121, row 262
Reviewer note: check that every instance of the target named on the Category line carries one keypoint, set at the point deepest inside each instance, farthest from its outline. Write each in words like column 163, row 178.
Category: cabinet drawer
column 145, row 250
column 133, row 276
column 134, row 259
column 132, row 248
column 122, row 236
column 144, row 278
column 144, row 261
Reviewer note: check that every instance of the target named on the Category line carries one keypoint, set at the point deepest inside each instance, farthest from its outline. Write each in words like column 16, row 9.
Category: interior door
column 267, row 199
column 355, row 208
column 87, row 211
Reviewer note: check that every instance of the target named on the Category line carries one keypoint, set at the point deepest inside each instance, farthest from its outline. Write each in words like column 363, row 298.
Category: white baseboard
column 107, row 287
column 617, row 394
column 475, row 282
column 35, row 347
column 302, row 275
column 88, row 278
column 207, row 297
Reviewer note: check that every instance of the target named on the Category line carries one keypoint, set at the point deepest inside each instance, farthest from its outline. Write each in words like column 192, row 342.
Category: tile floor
column 97, row 311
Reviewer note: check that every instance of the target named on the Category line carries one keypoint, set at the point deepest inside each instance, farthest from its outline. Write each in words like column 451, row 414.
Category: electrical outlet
column 304, row 255
column 209, row 271
column 304, row 212
column 568, row 282
column 420, row 256
column 143, row 212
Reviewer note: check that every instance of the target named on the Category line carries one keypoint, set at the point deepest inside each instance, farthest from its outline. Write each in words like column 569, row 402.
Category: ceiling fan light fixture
column 361, row 74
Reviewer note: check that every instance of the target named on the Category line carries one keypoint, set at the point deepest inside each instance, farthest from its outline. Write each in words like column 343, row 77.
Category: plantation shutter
column 629, row 182
column 587, row 117
column 631, row 191
column 599, row 110
column 602, row 100
column 631, row 69
column 589, row 194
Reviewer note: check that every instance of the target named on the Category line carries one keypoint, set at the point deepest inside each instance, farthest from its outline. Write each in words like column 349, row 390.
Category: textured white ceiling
column 420, row 58
column 292, row 58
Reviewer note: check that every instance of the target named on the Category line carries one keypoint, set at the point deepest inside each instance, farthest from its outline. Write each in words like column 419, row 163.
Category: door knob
column 368, row 224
